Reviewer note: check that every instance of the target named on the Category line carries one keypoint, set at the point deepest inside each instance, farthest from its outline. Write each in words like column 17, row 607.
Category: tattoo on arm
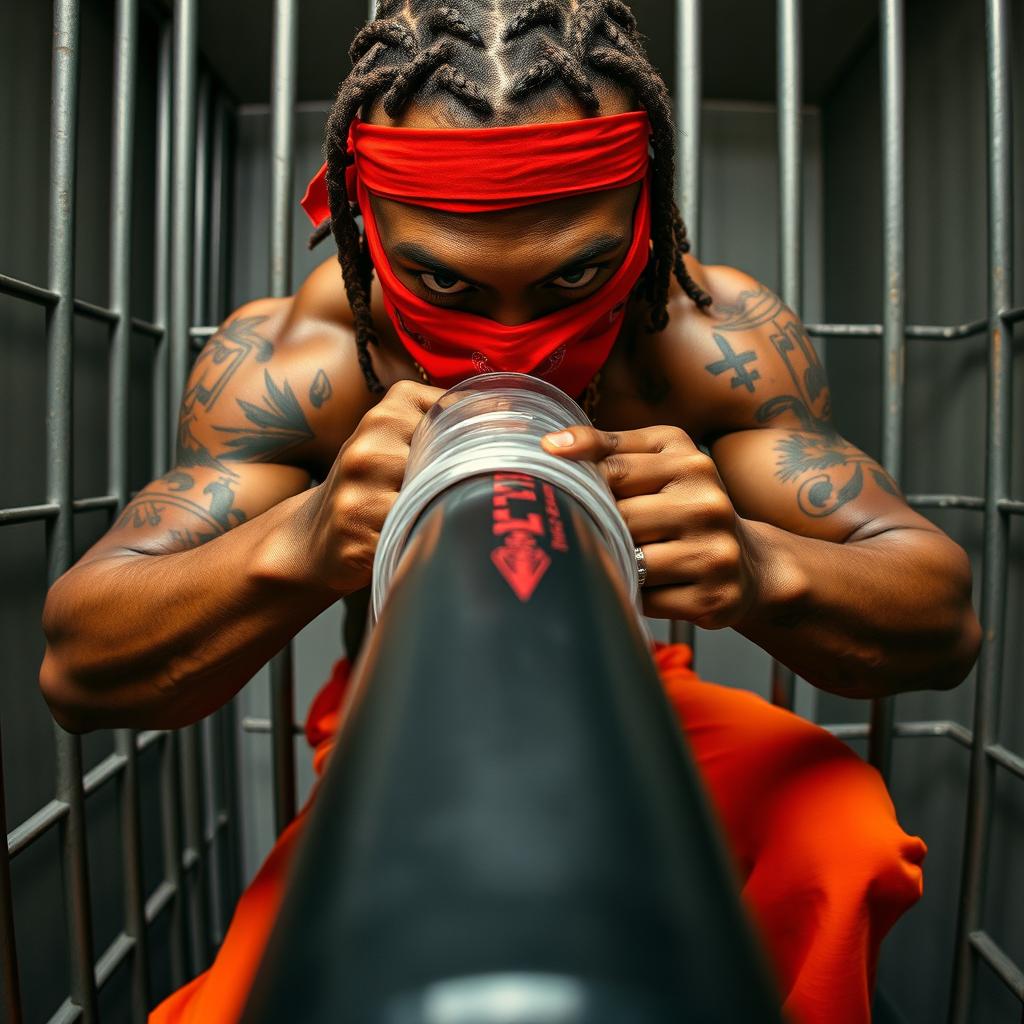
column 831, row 471
column 216, row 364
column 212, row 518
column 276, row 427
column 320, row 390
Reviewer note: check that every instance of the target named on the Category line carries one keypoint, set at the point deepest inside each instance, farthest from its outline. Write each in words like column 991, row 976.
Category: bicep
column 813, row 483
column 245, row 427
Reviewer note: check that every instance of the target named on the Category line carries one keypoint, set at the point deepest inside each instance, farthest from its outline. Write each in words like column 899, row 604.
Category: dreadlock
column 487, row 57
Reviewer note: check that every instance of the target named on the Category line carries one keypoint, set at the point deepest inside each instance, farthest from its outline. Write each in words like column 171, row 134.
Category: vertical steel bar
column 202, row 314
column 893, row 302
column 201, row 211
column 789, row 90
column 373, row 9
column 162, row 437
column 123, row 137
column 227, row 718
column 789, row 106
column 282, row 130
column 163, row 441
column 8, row 944
column 179, row 321
column 688, row 112
column 59, row 412
column 170, row 802
column 998, row 42
column 688, row 115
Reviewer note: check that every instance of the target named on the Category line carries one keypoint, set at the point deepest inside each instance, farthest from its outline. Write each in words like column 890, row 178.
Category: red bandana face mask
column 473, row 170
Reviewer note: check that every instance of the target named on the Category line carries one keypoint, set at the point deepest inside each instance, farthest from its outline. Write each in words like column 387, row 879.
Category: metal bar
column 1008, row 972
column 964, row 501
column 27, row 513
column 997, row 477
column 161, row 898
column 893, row 303
column 860, row 730
column 789, row 90
column 179, row 317
column 8, row 944
column 123, row 135
column 34, row 826
column 201, row 212
column 688, row 104
column 1007, row 758
column 170, row 801
column 112, row 957
column 917, row 332
column 789, row 93
column 250, row 724
column 59, row 541
column 25, row 290
column 282, row 131
column 161, row 256
column 192, row 801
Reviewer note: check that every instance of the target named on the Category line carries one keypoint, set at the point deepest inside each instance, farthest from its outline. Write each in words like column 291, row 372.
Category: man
column 577, row 269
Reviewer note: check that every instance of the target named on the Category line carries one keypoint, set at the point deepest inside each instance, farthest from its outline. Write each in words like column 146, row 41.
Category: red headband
column 470, row 170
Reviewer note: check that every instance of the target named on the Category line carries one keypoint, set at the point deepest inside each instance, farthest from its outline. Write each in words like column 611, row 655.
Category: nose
column 512, row 310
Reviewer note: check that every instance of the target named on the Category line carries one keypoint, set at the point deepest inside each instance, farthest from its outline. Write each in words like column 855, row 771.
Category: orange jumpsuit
column 826, row 867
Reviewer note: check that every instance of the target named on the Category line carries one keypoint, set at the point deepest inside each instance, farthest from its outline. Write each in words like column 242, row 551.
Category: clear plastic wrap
column 493, row 423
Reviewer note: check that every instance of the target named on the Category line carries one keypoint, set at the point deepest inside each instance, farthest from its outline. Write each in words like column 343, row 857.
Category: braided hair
column 482, row 60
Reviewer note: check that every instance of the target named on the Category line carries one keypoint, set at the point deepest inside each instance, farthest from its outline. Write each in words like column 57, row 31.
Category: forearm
column 160, row 641
column 868, row 618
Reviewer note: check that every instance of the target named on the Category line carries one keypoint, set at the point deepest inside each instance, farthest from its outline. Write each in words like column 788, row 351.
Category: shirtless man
column 778, row 528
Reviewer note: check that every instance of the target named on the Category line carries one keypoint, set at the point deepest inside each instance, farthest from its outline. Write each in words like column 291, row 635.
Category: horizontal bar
column 112, row 956
column 66, row 1013
column 108, row 962
column 918, row 332
column 148, row 737
column 861, row 730
column 19, row 289
column 25, row 290
column 263, row 725
column 30, row 513
column 159, row 900
column 33, row 827
column 109, row 768
column 1009, row 973
column 1007, row 758
column 964, row 501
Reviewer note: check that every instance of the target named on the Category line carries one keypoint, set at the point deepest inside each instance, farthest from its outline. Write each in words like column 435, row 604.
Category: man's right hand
column 343, row 516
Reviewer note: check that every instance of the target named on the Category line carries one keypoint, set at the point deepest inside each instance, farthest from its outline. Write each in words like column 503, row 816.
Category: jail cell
column 125, row 854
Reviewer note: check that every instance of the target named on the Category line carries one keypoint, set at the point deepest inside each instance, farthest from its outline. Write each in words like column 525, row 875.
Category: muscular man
column 785, row 531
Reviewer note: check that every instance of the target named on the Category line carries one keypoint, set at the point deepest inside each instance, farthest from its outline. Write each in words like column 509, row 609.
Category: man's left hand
column 698, row 550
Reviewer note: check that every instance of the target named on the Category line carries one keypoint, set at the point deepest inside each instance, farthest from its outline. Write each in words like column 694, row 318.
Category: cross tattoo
column 735, row 362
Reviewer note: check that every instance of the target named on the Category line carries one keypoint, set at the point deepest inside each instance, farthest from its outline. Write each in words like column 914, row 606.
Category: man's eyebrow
column 596, row 247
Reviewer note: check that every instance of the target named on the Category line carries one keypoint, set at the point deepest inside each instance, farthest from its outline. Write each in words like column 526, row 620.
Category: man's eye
column 576, row 278
column 443, row 284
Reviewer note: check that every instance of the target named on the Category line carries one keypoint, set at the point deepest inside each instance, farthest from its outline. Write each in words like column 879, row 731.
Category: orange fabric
column 826, row 868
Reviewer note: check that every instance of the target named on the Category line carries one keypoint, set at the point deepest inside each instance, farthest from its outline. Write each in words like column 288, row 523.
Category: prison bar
column 123, row 136
column 282, row 147
column 789, row 108
column 997, row 481
column 59, row 537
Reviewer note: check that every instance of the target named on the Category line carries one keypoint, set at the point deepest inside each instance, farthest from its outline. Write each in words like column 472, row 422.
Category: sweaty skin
column 786, row 531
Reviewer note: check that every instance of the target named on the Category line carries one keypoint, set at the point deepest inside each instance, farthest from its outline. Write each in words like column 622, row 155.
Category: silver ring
column 641, row 565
